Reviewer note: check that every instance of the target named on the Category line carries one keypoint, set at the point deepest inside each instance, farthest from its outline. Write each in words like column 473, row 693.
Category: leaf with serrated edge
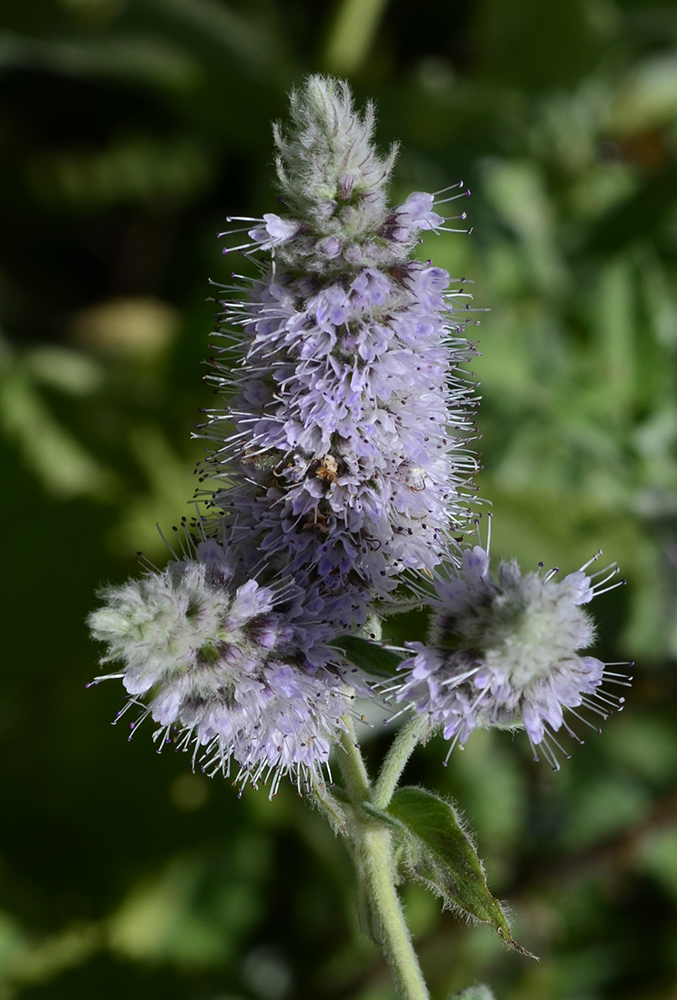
column 442, row 857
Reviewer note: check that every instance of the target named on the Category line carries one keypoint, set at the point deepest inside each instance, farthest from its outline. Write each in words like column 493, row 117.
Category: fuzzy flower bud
column 330, row 176
column 506, row 651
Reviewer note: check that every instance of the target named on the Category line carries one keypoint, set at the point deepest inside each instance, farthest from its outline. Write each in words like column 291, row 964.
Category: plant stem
column 399, row 753
column 372, row 846
column 352, row 767
column 331, row 808
column 374, row 851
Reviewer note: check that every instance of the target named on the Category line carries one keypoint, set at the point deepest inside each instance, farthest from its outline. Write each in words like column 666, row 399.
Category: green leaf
column 442, row 857
column 401, row 830
column 369, row 656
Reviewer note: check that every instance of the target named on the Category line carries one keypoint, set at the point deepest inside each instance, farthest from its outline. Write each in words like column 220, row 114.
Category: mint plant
column 338, row 491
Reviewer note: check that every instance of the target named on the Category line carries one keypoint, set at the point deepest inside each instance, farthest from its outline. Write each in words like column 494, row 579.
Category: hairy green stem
column 352, row 767
column 372, row 848
column 374, row 853
column 399, row 753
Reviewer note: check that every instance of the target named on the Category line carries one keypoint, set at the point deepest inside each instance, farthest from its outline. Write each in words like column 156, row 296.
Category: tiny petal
column 275, row 231
column 582, row 591
column 416, row 213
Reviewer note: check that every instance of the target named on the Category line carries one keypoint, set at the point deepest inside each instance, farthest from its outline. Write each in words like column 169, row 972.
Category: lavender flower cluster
column 504, row 652
column 222, row 669
column 346, row 470
column 341, row 472
column 349, row 461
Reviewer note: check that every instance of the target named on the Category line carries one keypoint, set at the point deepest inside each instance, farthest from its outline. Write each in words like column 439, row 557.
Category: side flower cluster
column 217, row 664
column 506, row 651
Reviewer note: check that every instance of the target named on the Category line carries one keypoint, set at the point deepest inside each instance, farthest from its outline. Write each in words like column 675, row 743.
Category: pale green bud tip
column 161, row 626
column 329, row 172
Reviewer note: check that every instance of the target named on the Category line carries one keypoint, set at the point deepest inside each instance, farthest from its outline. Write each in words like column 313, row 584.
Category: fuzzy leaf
column 442, row 857
column 369, row 656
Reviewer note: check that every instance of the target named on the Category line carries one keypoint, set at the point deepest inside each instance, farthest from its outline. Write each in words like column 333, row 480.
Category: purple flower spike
column 348, row 464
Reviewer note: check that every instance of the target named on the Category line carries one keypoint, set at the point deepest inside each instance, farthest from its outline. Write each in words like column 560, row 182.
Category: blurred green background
column 129, row 129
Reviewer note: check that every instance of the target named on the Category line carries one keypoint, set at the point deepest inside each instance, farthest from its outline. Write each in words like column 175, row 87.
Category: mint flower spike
column 504, row 651
column 349, row 463
column 223, row 670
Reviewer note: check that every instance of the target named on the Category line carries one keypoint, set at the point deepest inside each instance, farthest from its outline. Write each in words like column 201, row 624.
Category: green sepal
column 369, row 656
column 441, row 856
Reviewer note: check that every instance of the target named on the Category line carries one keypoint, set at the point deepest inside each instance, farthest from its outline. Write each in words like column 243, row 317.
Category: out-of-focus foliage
column 129, row 129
